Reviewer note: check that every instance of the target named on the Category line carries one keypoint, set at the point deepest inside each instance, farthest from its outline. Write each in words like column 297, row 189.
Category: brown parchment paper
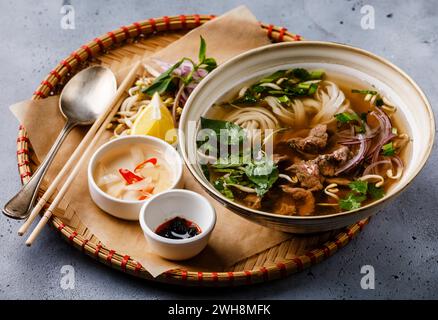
column 233, row 238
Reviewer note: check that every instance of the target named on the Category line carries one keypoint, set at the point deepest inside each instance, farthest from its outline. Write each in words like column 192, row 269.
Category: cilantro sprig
column 167, row 81
column 360, row 191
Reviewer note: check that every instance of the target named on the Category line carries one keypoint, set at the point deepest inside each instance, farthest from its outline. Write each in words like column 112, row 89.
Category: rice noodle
column 282, row 113
column 379, row 178
column 400, row 167
column 332, row 101
column 331, row 191
column 252, row 118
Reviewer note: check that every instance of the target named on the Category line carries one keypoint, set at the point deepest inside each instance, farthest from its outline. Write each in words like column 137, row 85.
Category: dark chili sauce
column 178, row 228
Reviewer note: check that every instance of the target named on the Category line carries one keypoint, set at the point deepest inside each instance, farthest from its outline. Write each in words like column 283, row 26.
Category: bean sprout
column 331, row 191
column 379, row 178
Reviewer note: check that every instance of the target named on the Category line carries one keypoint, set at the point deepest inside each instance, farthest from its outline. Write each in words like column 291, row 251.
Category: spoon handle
column 19, row 206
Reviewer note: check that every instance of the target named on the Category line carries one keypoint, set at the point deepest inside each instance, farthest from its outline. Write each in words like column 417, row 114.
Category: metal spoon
column 82, row 101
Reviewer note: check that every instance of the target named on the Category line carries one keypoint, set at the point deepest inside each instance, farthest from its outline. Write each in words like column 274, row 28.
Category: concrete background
column 401, row 242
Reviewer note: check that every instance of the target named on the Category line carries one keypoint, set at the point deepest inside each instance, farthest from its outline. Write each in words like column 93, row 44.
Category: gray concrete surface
column 401, row 242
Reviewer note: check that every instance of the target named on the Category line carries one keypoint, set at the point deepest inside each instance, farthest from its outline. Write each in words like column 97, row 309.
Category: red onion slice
column 353, row 162
column 373, row 165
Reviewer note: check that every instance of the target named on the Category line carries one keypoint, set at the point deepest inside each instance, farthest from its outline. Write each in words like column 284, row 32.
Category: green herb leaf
column 273, row 77
column 375, row 192
column 202, row 50
column 359, row 186
column 209, row 64
column 346, row 117
column 372, row 92
column 352, row 201
column 388, row 149
column 316, row 74
column 283, row 99
column 301, row 74
column 233, row 132
column 263, row 174
column 221, row 186
column 379, row 102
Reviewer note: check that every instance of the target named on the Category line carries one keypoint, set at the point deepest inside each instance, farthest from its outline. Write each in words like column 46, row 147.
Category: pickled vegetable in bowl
column 134, row 175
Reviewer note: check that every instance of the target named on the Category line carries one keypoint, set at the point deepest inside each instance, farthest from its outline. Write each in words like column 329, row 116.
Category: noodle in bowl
column 232, row 79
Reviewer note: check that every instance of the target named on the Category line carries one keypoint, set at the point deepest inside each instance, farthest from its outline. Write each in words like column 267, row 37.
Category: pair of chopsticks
column 85, row 148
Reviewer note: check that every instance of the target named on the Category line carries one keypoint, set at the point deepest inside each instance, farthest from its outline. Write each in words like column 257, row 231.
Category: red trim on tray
column 61, row 226
column 22, row 139
column 281, row 34
column 297, row 37
column 124, row 262
column 361, row 224
column 350, row 234
column 72, row 236
column 138, row 27
column 312, row 257
column 39, row 93
column 47, row 84
column 153, row 24
column 100, row 43
column 200, row 276
column 112, row 36
column 197, row 20
column 298, row 262
column 56, row 74
column 282, row 267
column 76, row 56
column 88, row 50
column 98, row 247
column 166, row 22
column 67, row 65
column 230, row 276
column 84, row 243
column 248, row 274
column 214, row 276
column 184, row 275
column 270, row 28
column 182, row 18
column 24, row 163
column 25, row 174
column 338, row 243
column 109, row 256
column 138, row 267
column 326, row 251
column 23, row 151
column 126, row 31
column 265, row 273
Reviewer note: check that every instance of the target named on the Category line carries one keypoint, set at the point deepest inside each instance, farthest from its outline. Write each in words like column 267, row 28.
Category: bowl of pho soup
column 307, row 136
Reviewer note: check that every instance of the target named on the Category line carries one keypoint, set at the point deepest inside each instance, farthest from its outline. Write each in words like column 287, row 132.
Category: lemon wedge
column 155, row 120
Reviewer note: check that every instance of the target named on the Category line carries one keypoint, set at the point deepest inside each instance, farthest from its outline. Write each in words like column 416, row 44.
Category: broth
column 376, row 129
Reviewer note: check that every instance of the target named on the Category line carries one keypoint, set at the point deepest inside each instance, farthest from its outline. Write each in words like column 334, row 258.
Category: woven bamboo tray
column 146, row 37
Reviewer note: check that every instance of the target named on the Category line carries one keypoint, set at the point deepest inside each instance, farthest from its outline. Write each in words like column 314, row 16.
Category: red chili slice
column 129, row 176
column 141, row 165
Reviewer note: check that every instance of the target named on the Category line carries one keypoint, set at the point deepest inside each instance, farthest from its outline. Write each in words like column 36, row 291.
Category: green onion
column 372, row 92
column 388, row 149
column 345, row 117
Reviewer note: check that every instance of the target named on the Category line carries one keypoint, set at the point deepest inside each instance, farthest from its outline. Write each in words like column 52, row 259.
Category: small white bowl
column 177, row 203
column 129, row 209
